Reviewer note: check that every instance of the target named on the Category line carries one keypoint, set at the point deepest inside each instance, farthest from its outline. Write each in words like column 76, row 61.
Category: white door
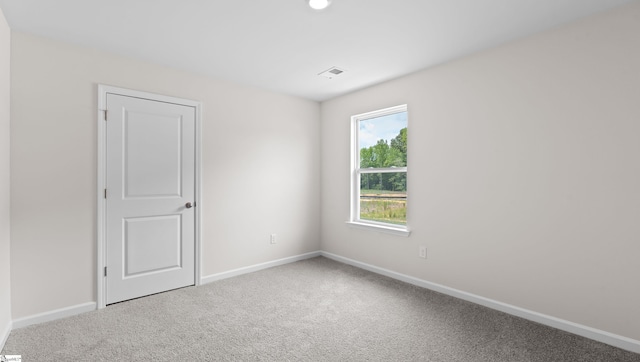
column 150, row 181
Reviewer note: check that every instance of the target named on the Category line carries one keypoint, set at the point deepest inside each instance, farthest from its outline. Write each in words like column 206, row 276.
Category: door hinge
column 105, row 193
column 105, row 271
column 105, row 114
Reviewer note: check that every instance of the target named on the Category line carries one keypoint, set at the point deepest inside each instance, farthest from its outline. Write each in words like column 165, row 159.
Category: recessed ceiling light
column 319, row 4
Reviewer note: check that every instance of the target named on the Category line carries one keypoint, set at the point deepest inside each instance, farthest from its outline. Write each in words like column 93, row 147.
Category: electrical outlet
column 273, row 238
column 422, row 251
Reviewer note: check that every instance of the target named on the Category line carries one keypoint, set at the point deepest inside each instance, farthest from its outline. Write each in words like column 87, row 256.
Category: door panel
column 152, row 244
column 152, row 154
column 150, row 234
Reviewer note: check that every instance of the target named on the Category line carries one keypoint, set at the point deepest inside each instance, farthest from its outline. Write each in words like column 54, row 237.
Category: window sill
column 380, row 228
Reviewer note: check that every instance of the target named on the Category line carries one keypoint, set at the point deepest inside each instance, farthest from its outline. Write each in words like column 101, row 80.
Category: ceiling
column 282, row 45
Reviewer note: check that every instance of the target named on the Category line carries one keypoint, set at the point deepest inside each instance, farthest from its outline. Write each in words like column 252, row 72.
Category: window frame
column 356, row 172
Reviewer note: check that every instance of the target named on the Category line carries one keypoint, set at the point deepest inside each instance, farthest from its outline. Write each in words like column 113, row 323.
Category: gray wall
column 260, row 160
column 523, row 173
column 5, row 201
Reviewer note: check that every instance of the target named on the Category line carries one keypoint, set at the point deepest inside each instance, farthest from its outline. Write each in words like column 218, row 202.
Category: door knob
column 188, row 205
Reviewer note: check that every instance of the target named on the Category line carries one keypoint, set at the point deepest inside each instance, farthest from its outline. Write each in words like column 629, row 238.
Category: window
column 379, row 170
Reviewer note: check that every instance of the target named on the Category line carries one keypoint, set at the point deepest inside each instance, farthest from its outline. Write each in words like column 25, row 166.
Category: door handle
column 188, row 205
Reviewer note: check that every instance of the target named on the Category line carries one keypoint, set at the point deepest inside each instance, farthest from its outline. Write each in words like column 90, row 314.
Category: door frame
column 101, row 249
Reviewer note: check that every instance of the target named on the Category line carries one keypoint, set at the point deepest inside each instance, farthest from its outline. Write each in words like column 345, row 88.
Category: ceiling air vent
column 332, row 72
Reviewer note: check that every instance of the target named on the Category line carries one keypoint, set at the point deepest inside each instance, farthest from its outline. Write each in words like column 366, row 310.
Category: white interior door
column 150, row 181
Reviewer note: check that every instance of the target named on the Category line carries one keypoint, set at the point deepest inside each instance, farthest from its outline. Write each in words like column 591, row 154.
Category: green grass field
column 393, row 211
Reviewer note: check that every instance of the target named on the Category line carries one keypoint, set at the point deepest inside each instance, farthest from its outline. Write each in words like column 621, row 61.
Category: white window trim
column 354, row 217
column 381, row 228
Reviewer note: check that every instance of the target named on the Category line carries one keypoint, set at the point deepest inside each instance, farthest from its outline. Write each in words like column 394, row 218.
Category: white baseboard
column 88, row 307
column 581, row 330
column 578, row 329
column 54, row 314
column 257, row 267
column 4, row 335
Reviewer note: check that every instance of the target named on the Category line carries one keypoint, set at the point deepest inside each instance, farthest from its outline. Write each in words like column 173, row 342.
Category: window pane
column 383, row 141
column 383, row 197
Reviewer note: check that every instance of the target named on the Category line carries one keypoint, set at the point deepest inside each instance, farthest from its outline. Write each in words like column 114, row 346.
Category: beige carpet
column 313, row 310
